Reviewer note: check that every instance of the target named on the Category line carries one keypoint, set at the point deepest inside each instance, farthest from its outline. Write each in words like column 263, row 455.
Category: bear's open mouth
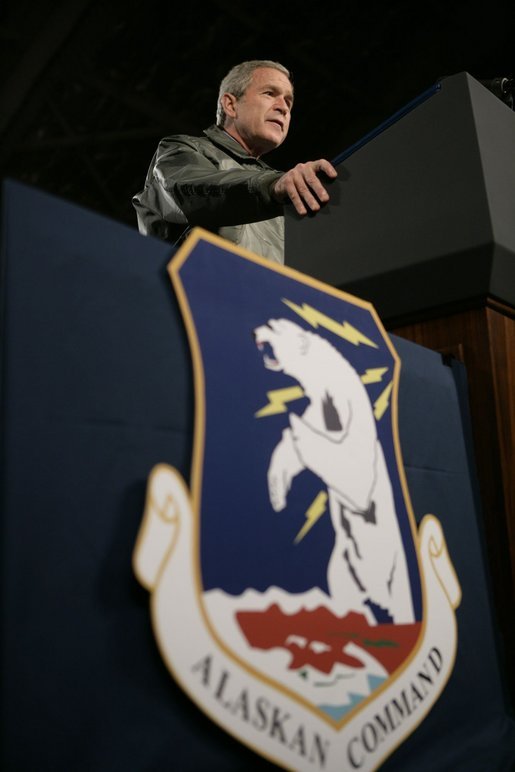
column 268, row 355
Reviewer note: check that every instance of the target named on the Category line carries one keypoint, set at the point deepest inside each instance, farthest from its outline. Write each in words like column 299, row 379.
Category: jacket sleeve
column 207, row 195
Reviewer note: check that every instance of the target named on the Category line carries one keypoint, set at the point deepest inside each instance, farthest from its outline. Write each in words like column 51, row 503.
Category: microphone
column 502, row 87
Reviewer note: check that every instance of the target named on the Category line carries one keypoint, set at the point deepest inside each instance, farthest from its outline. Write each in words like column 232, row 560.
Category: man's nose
column 282, row 105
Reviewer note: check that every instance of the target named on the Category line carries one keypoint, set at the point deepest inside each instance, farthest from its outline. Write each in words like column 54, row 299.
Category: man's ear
column 229, row 104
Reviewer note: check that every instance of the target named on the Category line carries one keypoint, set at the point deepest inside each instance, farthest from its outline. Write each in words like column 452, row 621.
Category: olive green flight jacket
column 211, row 181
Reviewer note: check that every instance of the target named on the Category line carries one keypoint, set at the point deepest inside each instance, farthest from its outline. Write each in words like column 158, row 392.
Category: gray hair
column 238, row 80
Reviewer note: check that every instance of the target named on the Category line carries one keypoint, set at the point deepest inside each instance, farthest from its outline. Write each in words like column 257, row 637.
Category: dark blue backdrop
column 96, row 389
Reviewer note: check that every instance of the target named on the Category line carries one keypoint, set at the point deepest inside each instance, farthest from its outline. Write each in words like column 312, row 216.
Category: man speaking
column 220, row 182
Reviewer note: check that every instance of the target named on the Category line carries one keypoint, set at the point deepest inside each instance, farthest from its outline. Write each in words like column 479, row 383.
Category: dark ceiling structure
column 89, row 86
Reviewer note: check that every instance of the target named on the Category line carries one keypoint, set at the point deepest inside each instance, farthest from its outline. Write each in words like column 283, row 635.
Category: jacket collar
column 220, row 137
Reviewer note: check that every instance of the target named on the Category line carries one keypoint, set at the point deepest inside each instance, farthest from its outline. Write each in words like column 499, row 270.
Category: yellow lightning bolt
column 318, row 319
column 277, row 400
column 382, row 402
column 314, row 512
column 373, row 375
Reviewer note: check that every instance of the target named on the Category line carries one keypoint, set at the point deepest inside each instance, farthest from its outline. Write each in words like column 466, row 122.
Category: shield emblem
column 292, row 595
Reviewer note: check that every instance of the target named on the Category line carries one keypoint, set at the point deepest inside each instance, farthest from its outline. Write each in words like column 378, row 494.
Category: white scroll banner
column 252, row 707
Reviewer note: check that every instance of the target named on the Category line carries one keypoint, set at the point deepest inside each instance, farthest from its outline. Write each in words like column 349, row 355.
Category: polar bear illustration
column 336, row 438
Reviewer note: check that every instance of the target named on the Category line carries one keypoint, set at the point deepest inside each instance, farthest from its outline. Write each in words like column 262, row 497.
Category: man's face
column 260, row 119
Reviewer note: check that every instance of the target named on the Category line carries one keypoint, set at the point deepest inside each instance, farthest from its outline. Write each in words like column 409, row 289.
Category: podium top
column 421, row 215
column 434, row 89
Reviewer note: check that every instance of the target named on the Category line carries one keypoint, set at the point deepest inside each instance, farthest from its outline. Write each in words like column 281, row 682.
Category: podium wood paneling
column 483, row 338
column 420, row 223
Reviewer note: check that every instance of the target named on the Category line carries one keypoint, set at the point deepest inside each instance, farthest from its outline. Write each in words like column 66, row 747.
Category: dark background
column 88, row 87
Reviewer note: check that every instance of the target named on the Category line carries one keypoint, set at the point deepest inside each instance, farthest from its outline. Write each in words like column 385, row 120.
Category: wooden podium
column 421, row 223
